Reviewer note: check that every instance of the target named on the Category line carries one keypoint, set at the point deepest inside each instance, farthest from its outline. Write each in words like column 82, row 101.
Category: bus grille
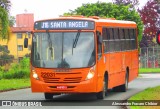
column 62, row 80
column 50, row 77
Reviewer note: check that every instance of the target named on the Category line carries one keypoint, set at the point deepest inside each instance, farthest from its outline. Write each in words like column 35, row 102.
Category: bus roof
column 92, row 18
column 81, row 22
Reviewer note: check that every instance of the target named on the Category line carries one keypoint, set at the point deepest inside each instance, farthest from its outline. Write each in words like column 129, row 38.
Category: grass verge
column 149, row 70
column 147, row 94
column 12, row 84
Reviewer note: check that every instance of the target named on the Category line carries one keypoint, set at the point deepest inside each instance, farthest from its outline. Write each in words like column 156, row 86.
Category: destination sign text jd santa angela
column 64, row 24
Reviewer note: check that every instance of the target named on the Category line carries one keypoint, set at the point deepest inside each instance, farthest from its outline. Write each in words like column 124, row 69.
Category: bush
column 18, row 70
column 1, row 72
column 1, row 75
column 20, row 73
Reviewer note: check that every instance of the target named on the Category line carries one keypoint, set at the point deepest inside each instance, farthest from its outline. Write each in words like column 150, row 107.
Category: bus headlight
column 35, row 75
column 91, row 73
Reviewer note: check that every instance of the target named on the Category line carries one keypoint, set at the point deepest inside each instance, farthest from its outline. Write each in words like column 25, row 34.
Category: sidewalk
column 150, row 75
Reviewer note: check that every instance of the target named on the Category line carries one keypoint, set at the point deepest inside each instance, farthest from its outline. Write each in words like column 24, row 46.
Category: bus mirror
column 158, row 37
column 26, row 43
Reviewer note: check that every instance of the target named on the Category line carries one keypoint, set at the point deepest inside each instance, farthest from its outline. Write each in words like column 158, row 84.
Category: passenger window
column 134, row 36
column 116, row 39
column 122, row 39
column 132, row 40
column 99, row 46
column 127, row 41
column 111, row 41
column 104, row 34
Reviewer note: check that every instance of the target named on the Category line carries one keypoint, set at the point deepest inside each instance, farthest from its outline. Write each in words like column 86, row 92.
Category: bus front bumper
column 88, row 86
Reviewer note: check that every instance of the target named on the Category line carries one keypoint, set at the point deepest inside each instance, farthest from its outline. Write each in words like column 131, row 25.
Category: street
column 70, row 101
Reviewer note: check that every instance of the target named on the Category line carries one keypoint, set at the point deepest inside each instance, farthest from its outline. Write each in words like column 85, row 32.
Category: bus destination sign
column 63, row 24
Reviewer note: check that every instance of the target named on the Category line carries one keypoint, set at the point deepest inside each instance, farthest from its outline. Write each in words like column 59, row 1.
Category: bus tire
column 123, row 87
column 48, row 96
column 103, row 93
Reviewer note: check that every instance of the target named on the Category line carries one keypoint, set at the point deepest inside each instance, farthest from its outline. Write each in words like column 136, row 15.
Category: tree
column 4, row 56
column 147, row 41
column 109, row 10
column 12, row 21
column 132, row 3
column 6, row 4
column 4, row 23
column 150, row 17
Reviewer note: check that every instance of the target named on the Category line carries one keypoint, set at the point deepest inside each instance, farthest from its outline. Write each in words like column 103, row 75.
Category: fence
column 149, row 57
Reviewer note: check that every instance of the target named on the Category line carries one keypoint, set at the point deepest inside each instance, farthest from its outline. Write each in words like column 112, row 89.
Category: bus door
column 100, row 59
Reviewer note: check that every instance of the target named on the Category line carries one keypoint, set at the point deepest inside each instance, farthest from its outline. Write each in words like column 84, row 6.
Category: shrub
column 18, row 70
column 20, row 73
column 1, row 72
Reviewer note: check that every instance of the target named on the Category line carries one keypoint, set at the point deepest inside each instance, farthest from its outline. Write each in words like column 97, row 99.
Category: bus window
column 111, row 40
column 99, row 45
column 116, row 38
column 132, row 39
column 104, row 34
column 135, row 39
column 122, row 39
column 105, row 41
column 127, row 41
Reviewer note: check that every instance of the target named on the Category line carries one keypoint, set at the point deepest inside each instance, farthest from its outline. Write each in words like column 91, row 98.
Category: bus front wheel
column 103, row 93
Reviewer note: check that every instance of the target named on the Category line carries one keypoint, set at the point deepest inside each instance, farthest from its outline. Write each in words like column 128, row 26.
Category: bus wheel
column 48, row 96
column 103, row 93
column 123, row 87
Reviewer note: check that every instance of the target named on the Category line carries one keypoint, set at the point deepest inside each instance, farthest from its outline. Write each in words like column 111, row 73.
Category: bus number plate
column 61, row 87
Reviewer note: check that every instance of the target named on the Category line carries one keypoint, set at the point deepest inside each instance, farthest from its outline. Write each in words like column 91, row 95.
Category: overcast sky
column 44, row 9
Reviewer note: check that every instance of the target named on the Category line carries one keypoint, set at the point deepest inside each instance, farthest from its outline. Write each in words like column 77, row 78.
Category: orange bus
column 83, row 55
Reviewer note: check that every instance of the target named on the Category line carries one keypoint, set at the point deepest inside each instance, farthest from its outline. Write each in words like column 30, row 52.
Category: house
column 15, row 43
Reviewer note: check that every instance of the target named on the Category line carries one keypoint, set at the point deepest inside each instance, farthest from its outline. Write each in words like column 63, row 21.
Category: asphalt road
column 82, row 101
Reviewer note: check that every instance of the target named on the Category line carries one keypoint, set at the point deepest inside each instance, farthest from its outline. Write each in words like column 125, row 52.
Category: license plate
column 61, row 87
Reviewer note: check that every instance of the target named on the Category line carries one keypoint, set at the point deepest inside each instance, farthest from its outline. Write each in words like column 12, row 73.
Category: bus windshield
column 57, row 50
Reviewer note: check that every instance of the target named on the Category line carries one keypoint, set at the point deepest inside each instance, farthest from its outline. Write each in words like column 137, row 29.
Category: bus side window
column 127, row 41
column 134, row 37
column 99, row 46
column 116, row 39
column 104, row 34
column 108, row 42
column 122, row 39
column 111, row 41
column 132, row 40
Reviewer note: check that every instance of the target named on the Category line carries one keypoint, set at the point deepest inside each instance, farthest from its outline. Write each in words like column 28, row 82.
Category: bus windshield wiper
column 76, row 39
column 50, row 44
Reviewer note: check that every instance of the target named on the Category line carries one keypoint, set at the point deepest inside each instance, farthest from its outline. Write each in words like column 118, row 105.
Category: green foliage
column 149, row 70
column 6, row 4
column 1, row 72
column 10, row 84
column 18, row 70
column 4, row 23
column 147, row 94
column 5, row 58
column 109, row 10
column 12, row 21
